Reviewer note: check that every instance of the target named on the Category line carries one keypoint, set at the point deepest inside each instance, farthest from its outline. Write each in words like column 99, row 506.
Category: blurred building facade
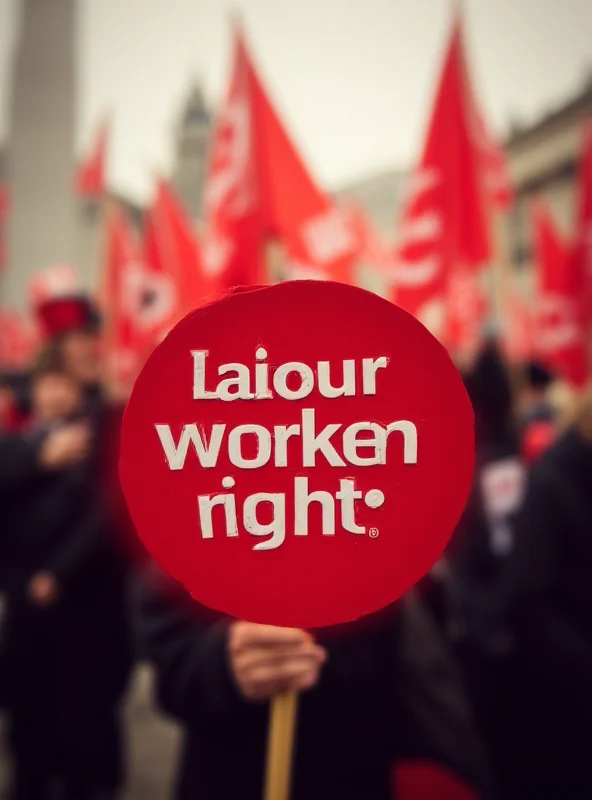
column 544, row 160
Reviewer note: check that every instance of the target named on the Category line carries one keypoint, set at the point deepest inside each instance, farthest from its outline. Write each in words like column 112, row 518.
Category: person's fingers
column 265, row 682
column 249, row 634
column 282, row 672
column 305, row 680
column 276, row 656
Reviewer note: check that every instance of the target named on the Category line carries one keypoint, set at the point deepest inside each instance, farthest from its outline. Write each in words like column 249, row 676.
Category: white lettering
column 348, row 496
column 302, row 500
column 262, row 390
column 241, row 381
column 199, row 376
column 348, row 387
column 281, row 434
column 176, row 454
column 280, row 379
column 276, row 528
column 409, row 432
column 311, row 442
column 235, row 452
column 351, row 444
column 206, row 504
column 370, row 367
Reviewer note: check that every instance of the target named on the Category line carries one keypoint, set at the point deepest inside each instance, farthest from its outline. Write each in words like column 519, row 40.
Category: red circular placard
column 397, row 379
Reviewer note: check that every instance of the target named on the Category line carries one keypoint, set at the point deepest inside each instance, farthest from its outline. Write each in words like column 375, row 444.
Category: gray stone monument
column 41, row 227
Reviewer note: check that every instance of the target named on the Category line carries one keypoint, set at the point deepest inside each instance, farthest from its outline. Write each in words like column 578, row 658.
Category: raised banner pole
column 280, row 746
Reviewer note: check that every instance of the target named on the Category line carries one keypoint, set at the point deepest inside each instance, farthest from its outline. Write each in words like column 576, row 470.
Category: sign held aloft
column 297, row 454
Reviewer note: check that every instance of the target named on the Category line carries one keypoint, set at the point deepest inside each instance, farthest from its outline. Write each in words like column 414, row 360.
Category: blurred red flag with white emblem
column 560, row 335
column 258, row 190
column 172, row 248
column 137, row 303
column 444, row 237
column 444, row 226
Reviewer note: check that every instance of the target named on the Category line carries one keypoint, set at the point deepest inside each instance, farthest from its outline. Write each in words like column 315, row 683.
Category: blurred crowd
column 483, row 670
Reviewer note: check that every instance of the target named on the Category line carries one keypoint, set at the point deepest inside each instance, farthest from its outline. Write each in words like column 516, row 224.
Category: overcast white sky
column 353, row 78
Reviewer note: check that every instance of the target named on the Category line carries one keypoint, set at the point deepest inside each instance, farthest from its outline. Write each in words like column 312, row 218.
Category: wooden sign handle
column 280, row 746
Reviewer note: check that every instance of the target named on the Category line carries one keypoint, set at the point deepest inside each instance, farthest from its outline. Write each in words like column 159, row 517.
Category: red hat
column 59, row 315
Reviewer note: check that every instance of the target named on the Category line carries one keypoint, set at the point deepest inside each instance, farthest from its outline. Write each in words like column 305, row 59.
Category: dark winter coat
column 373, row 703
column 550, row 607
column 62, row 667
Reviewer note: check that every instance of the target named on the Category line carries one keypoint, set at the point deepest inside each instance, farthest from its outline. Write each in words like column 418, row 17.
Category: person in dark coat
column 63, row 667
column 363, row 694
column 549, row 595
column 59, row 487
column 477, row 558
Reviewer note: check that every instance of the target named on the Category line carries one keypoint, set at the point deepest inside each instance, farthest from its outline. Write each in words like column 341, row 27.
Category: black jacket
column 549, row 584
column 549, row 599
column 49, row 520
column 55, row 521
column 370, row 707
column 64, row 667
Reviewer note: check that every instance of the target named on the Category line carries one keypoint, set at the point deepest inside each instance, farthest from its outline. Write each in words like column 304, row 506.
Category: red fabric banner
column 259, row 190
column 173, row 248
column 560, row 336
column 444, row 226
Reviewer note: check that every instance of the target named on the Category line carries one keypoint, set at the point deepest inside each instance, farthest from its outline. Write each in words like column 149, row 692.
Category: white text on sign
column 360, row 444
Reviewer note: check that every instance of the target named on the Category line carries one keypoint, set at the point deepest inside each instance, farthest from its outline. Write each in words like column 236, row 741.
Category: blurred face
column 55, row 396
column 81, row 357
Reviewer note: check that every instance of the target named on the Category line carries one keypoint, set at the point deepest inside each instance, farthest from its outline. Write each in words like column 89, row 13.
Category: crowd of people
column 484, row 668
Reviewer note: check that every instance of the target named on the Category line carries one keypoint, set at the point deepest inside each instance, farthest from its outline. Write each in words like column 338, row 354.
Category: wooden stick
column 280, row 746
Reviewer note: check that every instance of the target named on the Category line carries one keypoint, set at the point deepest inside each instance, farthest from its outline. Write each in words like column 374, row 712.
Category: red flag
column 560, row 338
column 4, row 207
column 232, row 241
column 162, row 309
column 494, row 164
column 123, row 299
column 444, row 226
column 175, row 251
column 18, row 340
column 466, row 308
column 498, row 182
column 312, row 228
column 368, row 244
column 258, row 190
column 91, row 177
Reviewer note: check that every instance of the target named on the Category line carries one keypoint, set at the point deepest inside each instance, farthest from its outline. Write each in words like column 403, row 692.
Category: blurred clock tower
column 192, row 138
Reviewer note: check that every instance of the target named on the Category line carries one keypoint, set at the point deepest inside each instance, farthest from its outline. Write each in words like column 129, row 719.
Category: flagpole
column 107, row 207
column 502, row 289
